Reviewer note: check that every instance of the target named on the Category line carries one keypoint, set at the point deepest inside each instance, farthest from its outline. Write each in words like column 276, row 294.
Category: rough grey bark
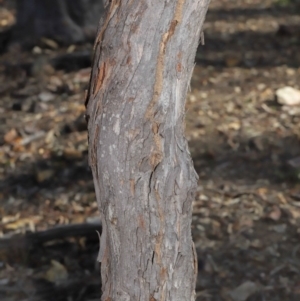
column 143, row 173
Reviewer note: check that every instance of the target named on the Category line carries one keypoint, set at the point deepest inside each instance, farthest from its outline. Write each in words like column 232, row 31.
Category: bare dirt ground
column 245, row 146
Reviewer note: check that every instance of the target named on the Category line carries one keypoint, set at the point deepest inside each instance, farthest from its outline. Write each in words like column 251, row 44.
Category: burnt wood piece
column 16, row 248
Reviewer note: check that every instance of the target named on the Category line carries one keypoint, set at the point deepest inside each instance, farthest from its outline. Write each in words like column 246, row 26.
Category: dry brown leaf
column 10, row 218
column 245, row 222
column 293, row 212
column 232, row 61
column 77, row 207
column 43, row 175
column 22, row 223
column 10, row 136
column 71, row 153
column 234, row 125
column 281, row 198
column 18, row 145
column 262, row 192
column 274, row 214
column 57, row 273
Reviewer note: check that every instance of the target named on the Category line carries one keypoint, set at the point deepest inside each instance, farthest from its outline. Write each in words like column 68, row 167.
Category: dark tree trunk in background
column 66, row 21
column 143, row 173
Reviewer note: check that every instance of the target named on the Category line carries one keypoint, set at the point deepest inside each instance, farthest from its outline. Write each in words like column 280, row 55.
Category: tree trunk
column 143, row 173
column 66, row 21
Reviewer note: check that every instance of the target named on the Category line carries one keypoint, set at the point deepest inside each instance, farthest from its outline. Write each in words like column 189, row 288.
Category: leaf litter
column 245, row 146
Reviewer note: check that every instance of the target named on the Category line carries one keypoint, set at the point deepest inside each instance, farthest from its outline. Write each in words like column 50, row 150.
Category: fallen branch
column 16, row 247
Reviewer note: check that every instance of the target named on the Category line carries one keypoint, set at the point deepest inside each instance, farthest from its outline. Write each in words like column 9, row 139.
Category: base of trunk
column 65, row 21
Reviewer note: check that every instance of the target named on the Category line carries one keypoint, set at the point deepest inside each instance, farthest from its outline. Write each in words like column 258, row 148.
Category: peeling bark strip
column 100, row 79
column 161, row 58
column 143, row 174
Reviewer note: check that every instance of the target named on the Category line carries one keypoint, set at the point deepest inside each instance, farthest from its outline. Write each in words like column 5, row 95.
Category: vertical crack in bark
column 100, row 79
column 158, row 85
column 99, row 38
column 111, row 11
column 195, row 262
column 157, row 155
column 93, row 150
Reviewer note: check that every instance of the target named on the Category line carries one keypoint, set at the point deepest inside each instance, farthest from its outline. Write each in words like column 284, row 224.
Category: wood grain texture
column 143, row 173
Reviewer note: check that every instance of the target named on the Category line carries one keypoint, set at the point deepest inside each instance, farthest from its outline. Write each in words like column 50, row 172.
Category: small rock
column 4, row 281
column 244, row 291
column 36, row 50
column 193, row 98
column 256, row 243
column 46, row 96
column 28, row 105
column 261, row 87
column 280, row 228
column 295, row 162
column 39, row 107
column 288, row 96
column 93, row 219
column 237, row 89
column 292, row 111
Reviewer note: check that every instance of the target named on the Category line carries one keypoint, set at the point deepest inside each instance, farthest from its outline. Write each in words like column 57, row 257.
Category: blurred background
column 243, row 114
